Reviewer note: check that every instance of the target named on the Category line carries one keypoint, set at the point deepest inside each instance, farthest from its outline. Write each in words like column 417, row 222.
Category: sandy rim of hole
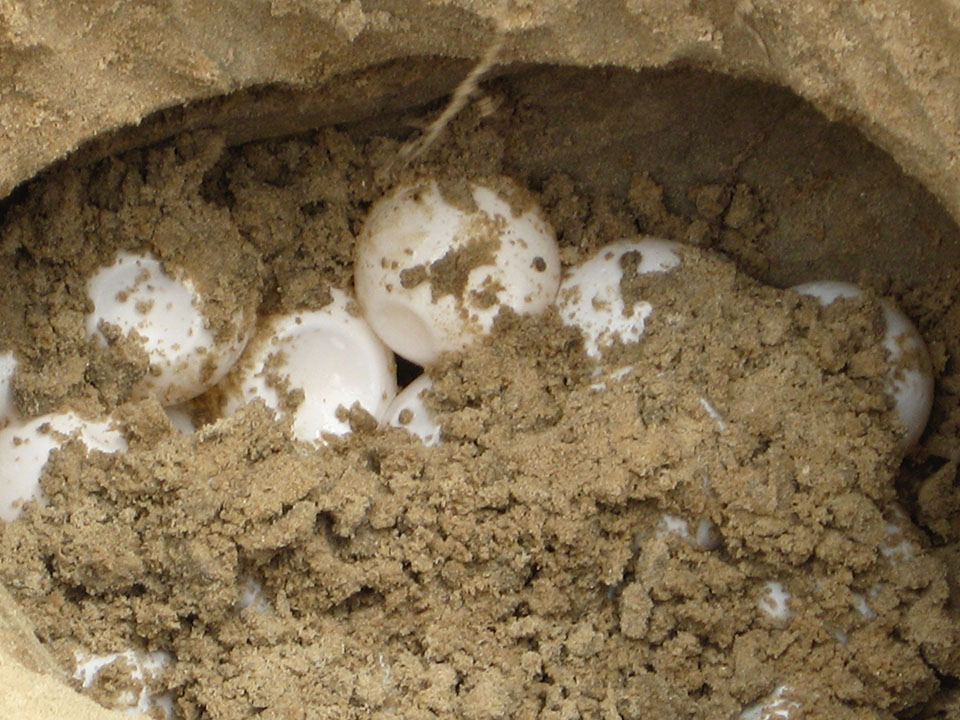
column 73, row 74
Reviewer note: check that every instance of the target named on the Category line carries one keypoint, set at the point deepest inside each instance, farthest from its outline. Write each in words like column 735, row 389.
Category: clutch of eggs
column 431, row 273
column 590, row 299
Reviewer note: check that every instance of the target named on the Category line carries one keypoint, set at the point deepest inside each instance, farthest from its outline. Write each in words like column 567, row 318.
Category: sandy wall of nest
column 70, row 74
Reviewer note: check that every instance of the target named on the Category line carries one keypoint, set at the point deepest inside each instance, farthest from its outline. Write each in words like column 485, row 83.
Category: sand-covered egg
column 590, row 297
column 131, row 694
column 408, row 411
column 25, row 448
column 910, row 382
column 310, row 364
column 776, row 706
column 432, row 274
column 163, row 311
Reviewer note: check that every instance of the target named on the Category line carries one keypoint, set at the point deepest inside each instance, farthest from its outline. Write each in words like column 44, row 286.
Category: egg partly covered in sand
column 910, row 381
column 591, row 300
column 409, row 412
column 432, row 274
column 8, row 367
column 141, row 670
column 139, row 298
column 310, row 364
column 25, row 448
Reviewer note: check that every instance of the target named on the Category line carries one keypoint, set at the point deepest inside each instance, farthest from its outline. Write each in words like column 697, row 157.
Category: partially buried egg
column 131, row 691
column 409, row 412
column 432, row 274
column 163, row 312
column 8, row 367
column 910, row 381
column 312, row 363
column 25, row 448
column 591, row 300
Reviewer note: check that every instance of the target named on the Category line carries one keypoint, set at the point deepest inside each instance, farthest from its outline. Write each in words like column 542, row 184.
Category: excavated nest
column 840, row 124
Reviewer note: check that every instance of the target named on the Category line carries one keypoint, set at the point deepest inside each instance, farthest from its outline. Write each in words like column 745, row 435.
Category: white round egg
column 590, row 298
column 910, row 382
column 25, row 448
column 431, row 277
column 8, row 366
column 164, row 312
column 331, row 355
column 409, row 412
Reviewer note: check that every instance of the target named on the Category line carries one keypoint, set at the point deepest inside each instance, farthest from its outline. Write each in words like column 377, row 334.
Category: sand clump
column 578, row 544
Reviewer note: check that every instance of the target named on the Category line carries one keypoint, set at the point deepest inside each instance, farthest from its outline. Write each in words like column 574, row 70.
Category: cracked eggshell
column 432, row 277
column 409, row 412
column 25, row 448
column 590, row 298
column 330, row 354
column 910, row 382
column 137, row 295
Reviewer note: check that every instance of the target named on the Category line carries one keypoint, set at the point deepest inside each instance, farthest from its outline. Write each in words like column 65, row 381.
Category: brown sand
column 519, row 569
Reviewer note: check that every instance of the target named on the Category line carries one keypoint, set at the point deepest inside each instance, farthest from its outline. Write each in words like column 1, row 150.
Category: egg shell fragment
column 910, row 382
column 590, row 297
column 330, row 354
column 25, row 448
column 409, row 412
column 137, row 295
column 431, row 277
